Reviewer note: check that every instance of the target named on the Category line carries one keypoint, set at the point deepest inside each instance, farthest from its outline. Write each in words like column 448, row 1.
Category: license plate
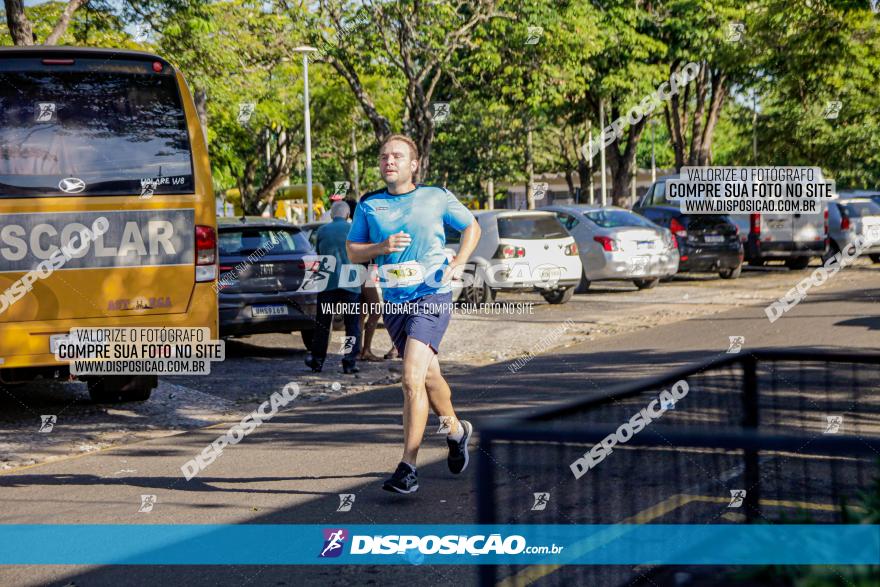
column 550, row 274
column 713, row 238
column 269, row 310
column 645, row 245
column 639, row 264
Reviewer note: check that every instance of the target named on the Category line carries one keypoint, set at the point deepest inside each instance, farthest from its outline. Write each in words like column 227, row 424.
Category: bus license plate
column 269, row 310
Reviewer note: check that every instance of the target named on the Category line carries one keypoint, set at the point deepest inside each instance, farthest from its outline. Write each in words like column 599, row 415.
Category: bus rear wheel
column 113, row 389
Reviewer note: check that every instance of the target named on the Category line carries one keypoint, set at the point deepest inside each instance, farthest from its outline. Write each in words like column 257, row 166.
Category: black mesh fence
column 765, row 437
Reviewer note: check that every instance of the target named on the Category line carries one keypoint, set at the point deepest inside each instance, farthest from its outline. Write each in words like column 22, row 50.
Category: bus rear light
column 206, row 254
column 755, row 224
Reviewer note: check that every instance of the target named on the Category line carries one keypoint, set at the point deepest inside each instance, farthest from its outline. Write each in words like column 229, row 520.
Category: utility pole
column 592, row 199
column 635, row 177
column 653, row 123
column 754, row 127
column 602, row 150
column 354, row 162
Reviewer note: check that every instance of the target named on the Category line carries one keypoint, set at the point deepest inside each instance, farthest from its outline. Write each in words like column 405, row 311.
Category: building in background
column 558, row 190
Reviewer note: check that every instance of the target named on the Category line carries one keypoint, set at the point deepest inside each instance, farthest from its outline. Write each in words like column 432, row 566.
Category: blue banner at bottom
column 270, row 544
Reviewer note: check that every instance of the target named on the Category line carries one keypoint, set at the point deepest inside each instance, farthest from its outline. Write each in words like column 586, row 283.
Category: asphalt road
column 291, row 469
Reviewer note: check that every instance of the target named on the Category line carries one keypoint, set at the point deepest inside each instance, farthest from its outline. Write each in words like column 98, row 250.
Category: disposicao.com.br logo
column 450, row 544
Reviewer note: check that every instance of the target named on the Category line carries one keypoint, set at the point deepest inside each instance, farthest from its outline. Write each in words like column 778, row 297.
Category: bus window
column 91, row 133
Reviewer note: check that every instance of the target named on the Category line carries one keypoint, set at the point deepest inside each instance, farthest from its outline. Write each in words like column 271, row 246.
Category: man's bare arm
column 469, row 239
column 470, row 236
column 365, row 252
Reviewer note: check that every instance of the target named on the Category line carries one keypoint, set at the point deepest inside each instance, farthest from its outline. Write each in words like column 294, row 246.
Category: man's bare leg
column 416, row 360
column 440, row 395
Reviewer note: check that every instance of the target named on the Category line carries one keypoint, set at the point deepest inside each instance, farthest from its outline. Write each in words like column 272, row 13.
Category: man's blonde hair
column 413, row 148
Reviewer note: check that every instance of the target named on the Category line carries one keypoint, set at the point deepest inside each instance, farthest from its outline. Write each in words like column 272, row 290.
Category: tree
column 236, row 53
column 531, row 66
column 705, row 32
column 22, row 32
column 414, row 43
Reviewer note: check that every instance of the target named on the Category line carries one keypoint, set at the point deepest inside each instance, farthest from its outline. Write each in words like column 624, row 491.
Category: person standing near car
column 402, row 228
column 330, row 241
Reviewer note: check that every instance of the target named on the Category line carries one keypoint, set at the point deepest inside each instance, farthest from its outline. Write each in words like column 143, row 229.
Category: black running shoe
column 314, row 364
column 404, row 480
column 458, row 450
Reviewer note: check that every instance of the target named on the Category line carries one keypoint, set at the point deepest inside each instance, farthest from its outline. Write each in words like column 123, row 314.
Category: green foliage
column 93, row 25
column 798, row 56
column 811, row 56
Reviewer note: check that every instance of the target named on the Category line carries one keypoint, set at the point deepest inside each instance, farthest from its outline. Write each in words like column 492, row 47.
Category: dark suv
column 262, row 266
column 706, row 242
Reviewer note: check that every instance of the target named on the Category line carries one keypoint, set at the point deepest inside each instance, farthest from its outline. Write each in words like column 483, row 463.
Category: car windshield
column 530, row 227
column 91, row 130
column 617, row 218
column 862, row 208
column 272, row 241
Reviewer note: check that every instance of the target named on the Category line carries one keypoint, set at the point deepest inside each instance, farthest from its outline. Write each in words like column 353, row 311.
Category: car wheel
column 875, row 258
column 797, row 264
column 584, row 284
column 478, row 292
column 731, row 273
column 646, row 283
column 558, row 296
column 121, row 388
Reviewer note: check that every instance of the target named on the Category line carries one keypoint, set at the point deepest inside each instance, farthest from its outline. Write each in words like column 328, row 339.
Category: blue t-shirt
column 422, row 213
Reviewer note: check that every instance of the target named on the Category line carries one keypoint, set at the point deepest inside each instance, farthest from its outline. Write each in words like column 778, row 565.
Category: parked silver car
column 850, row 217
column 616, row 244
column 520, row 251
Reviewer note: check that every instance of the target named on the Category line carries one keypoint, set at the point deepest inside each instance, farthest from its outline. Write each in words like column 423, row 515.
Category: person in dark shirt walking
column 330, row 241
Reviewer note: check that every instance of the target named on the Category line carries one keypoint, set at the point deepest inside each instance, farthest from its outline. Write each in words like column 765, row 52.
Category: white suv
column 520, row 251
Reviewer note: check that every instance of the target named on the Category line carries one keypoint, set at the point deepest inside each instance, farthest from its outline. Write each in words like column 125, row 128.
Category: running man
column 402, row 228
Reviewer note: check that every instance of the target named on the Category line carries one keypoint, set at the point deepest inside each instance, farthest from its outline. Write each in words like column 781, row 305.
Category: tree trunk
column 201, row 101
column 490, row 195
column 19, row 25
column 621, row 164
column 586, row 180
column 719, row 92
column 569, row 179
column 63, row 22
column 710, row 93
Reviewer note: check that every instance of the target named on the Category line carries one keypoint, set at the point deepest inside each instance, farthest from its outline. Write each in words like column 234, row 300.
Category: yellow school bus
column 107, row 214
